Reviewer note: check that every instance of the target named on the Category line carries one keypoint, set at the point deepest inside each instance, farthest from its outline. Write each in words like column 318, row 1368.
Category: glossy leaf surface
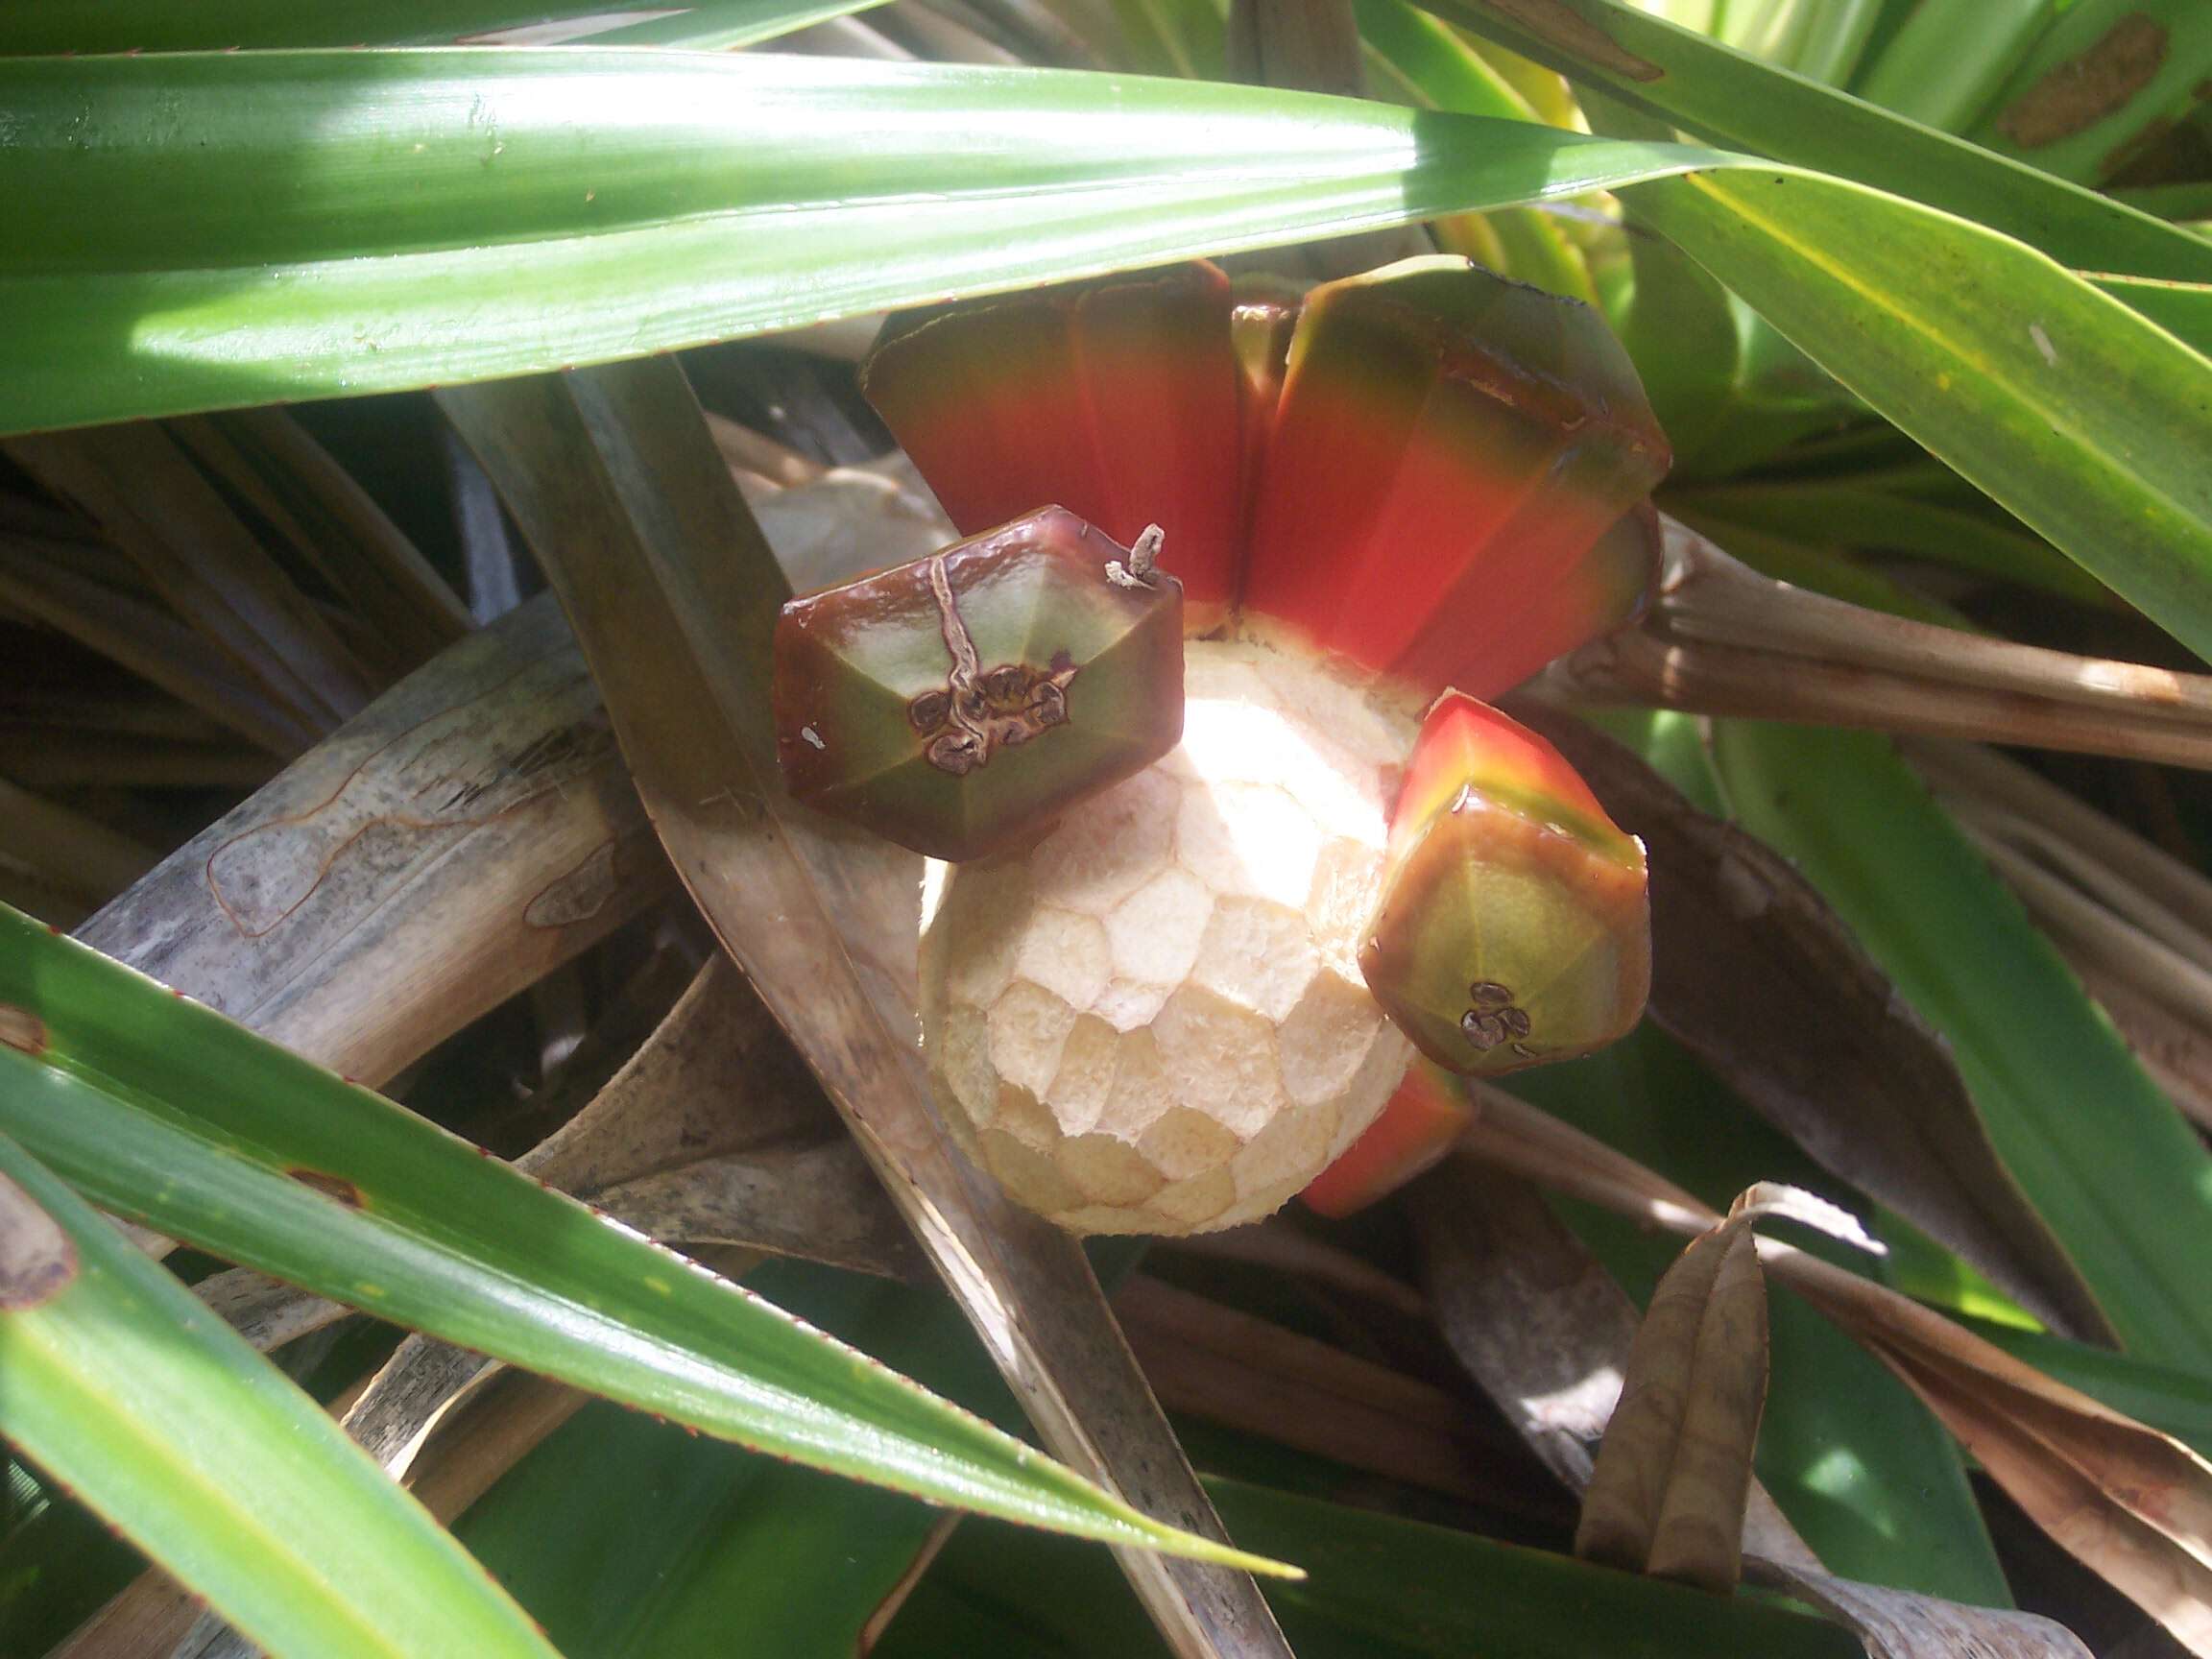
column 159, row 1415
column 2127, row 1187
column 255, row 227
column 59, row 26
column 163, row 1111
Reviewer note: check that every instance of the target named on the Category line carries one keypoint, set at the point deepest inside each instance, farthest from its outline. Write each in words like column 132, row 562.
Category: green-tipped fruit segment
column 1448, row 453
column 1119, row 399
column 1418, row 1125
column 1513, row 927
column 959, row 703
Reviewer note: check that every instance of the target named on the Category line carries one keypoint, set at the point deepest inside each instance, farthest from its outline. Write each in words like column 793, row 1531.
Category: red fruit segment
column 1416, row 1128
column 1119, row 399
column 1513, row 926
column 959, row 703
column 1450, row 452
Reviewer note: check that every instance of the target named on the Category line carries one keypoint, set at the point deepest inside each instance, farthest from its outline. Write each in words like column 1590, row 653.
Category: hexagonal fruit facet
column 959, row 703
column 1513, row 927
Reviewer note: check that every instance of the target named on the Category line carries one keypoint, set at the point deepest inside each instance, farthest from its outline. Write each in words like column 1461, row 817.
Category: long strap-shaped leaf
column 2111, row 1164
column 214, row 1462
column 1731, row 97
column 167, row 1113
column 674, row 594
column 42, row 26
column 201, row 230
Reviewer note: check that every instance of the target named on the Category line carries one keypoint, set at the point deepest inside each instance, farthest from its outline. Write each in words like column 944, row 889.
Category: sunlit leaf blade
column 58, row 26
column 347, row 222
column 163, row 1111
column 1727, row 98
column 211, row 1460
column 2087, row 422
column 2111, row 1164
column 1945, row 64
column 718, row 1549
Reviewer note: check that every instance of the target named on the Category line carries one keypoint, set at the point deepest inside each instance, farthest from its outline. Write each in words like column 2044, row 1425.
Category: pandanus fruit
column 1174, row 1007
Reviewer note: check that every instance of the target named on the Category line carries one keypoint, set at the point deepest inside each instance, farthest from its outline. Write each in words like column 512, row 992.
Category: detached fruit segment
column 959, row 703
column 1417, row 1127
column 1513, row 927
column 1119, row 399
column 1449, row 454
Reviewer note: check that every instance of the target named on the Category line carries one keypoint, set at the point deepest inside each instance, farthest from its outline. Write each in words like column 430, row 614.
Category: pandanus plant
column 1209, row 905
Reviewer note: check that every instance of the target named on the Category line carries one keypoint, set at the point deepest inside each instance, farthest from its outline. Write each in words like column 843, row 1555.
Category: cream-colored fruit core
column 1154, row 1020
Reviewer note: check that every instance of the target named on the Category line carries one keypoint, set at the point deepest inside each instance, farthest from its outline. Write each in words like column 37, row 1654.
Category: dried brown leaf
column 1723, row 639
column 1228, row 1366
column 1673, row 1470
column 152, row 502
column 2132, row 1504
column 1538, row 1321
column 616, row 484
column 1754, row 974
column 56, row 582
column 471, row 830
column 1900, row 1624
column 328, row 519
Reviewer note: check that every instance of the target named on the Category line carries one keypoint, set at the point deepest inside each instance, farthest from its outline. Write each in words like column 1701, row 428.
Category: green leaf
column 2099, row 1152
column 629, row 1539
column 1381, row 1588
column 1861, row 515
column 2086, row 421
column 2105, row 78
column 165, row 1111
column 29, row 26
column 1730, row 99
column 1947, row 62
column 201, row 230
column 159, row 1416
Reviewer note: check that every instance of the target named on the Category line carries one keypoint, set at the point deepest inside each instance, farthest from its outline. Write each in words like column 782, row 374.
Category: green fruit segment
column 1513, row 926
column 959, row 703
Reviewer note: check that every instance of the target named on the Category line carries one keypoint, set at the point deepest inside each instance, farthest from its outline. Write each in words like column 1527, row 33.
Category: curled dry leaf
column 1899, row 1625
column 1673, row 1470
column 1539, row 1322
column 2133, row 1505
column 674, row 593
column 1755, row 975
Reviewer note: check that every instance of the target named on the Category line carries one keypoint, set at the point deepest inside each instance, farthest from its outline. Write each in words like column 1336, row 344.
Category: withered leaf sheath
column 959, row 703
